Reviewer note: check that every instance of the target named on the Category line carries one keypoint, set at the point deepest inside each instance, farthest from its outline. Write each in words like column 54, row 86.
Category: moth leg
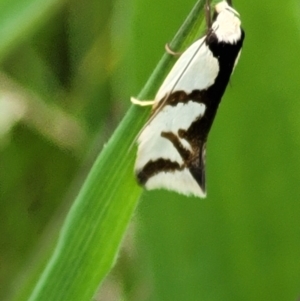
column 170, row 51
column 142, row 103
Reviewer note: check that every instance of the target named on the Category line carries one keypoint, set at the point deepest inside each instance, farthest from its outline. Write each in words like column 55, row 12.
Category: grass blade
column 94, row 228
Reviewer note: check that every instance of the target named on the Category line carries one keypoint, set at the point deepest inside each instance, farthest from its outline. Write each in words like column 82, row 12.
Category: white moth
column 172, row 145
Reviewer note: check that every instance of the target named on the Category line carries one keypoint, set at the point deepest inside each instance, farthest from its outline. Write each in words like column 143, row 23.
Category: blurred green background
column 67, row 70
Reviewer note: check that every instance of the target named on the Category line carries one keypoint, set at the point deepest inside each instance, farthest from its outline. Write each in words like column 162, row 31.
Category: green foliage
column 68, row 69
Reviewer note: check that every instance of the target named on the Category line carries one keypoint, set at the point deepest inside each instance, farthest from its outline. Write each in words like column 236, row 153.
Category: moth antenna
column 170, row 51
column 208, row 15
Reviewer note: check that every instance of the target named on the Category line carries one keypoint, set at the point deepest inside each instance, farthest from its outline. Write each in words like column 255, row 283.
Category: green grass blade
column 94, row 228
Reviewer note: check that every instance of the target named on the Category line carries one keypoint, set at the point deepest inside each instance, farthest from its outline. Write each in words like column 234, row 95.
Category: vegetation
column 67, row 71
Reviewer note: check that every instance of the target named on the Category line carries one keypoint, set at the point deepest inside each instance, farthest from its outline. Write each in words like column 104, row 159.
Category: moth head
column 226, row 23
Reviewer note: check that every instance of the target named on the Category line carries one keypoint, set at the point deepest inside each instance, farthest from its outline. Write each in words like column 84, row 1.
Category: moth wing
column 161, row 161
column 196, row 69
column 166, row 163
column 171, row 151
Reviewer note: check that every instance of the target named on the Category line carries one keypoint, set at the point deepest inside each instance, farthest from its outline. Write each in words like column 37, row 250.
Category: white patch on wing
column 186, row 144
column 196, row 69
column 170, row 119
column 227, row 25
column 180, row 181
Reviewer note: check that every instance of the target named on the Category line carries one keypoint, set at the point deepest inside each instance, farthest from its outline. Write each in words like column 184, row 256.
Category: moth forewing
column 172, row 144
column 182, row 75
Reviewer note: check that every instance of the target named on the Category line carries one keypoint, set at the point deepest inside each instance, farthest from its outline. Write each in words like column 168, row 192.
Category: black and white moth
column 172, row 145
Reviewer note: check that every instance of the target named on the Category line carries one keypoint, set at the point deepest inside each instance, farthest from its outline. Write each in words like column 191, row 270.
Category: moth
column 172, row 145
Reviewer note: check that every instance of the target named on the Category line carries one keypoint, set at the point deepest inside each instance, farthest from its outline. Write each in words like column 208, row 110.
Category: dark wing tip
column 197, row 169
